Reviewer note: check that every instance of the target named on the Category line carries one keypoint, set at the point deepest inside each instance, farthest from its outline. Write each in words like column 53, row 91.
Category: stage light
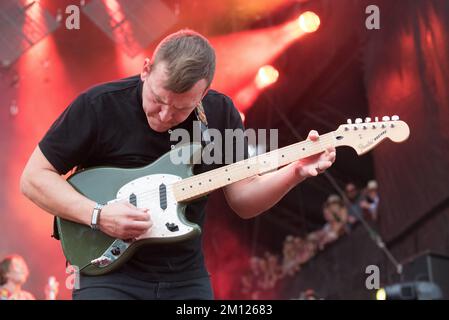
column 381, row 294
column 418, row 290
column 133, row 25
column 309, row 22
column 266, row 76
column 23, row 24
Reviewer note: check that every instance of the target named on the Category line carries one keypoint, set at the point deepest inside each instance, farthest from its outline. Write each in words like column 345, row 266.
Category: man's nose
column 165, row 114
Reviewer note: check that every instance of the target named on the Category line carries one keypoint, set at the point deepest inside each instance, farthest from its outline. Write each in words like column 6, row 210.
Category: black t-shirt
column 106, row 126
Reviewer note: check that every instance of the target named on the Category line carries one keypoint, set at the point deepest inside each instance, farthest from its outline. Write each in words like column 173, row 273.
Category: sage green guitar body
column 96, row 253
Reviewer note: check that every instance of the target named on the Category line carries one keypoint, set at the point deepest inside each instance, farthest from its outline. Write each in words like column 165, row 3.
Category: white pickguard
column 146, row 189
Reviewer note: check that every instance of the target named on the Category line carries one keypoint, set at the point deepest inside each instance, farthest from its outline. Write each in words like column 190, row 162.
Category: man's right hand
column 124, row 221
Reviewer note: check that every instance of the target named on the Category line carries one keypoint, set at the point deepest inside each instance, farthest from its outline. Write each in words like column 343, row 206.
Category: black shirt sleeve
column 72, row 137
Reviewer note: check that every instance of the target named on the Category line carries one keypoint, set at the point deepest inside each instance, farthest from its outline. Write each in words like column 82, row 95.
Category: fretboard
column 204, row 183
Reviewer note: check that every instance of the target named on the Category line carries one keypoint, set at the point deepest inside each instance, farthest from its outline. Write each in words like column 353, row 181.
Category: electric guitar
column 166, row 188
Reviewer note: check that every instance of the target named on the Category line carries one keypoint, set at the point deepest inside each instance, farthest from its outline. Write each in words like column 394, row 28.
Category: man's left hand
column 316, row 164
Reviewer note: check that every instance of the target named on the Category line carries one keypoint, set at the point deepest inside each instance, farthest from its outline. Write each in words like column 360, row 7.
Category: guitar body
column 96, row 253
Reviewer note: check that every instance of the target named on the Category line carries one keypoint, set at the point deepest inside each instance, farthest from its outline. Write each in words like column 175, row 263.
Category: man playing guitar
column 126, row 123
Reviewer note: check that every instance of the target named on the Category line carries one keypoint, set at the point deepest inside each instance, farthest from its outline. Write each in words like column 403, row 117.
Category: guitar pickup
column 163, row 196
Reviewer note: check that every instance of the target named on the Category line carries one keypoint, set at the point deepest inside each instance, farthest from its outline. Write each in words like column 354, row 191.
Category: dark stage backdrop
column 406, row 72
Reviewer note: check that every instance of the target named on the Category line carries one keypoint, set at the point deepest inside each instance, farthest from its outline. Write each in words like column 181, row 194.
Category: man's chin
column 158, row 127
column 160, row 130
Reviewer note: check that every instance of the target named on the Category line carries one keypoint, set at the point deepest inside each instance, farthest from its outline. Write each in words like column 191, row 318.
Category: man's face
column 351, row 191
column 372, row 193
column 18, row 271
column 165, row 109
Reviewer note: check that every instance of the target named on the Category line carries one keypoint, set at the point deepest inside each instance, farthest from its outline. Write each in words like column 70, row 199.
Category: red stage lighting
column 266, row 76
column 309, row 22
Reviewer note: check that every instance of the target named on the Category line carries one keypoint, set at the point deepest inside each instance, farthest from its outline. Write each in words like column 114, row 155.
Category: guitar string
column 238, row 167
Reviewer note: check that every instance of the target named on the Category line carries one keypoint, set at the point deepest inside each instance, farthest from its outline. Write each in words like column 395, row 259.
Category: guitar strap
column 201, row 116
column 55, row 234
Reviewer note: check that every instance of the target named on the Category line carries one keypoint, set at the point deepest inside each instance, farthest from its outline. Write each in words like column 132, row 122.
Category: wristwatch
column 94, row 223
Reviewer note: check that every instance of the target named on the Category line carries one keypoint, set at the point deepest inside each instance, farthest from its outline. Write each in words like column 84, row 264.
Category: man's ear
column 205, row 92
column 146, row 69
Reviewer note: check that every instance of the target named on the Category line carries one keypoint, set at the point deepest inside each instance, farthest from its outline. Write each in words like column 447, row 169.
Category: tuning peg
column 358, row 120
column 376, row 119
column 395, row 118
column 349, row 121
column 385, row 118
column 367, row 119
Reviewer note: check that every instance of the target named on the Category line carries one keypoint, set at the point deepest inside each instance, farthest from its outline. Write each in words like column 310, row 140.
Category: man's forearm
column 55, row 195
column 260, row 193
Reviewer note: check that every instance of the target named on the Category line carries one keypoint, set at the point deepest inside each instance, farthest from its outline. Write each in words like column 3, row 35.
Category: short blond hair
column 188, row 56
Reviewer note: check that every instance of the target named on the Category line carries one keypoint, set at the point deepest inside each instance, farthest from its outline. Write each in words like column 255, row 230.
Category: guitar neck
column 202, row 184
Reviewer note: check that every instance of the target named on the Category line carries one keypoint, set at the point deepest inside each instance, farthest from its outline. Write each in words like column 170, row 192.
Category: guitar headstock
column 364, row 135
